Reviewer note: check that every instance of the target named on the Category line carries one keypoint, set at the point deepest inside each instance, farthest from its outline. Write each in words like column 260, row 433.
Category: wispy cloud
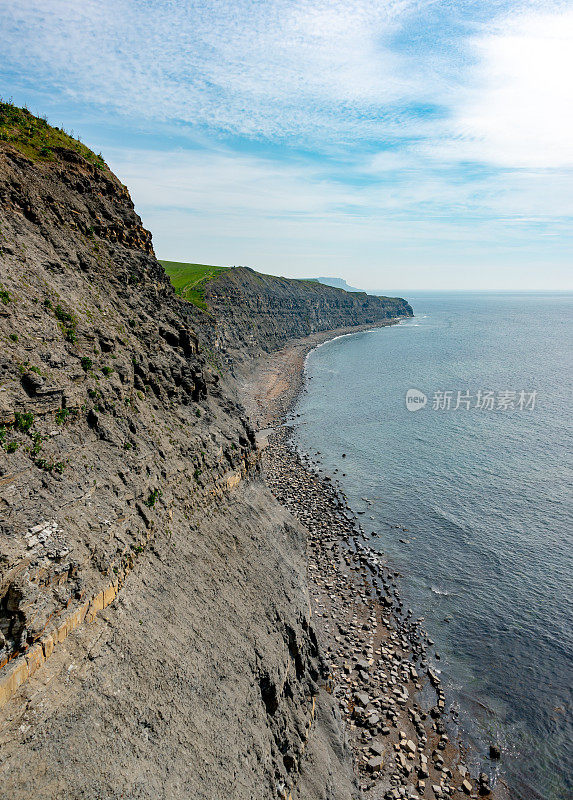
column 313, row 73
column 289, row 216
column 281, row 69
column 429, row 129
column 517, row 108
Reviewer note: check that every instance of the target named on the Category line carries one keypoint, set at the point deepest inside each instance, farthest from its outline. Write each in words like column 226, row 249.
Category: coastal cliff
column 155, row 629
column 256, row 313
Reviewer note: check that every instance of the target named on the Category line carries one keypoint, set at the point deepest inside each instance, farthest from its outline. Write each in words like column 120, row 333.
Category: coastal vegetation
column 38, row 140
column 189, row 280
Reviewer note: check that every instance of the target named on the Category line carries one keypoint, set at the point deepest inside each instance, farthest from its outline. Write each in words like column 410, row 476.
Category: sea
column 470, row 490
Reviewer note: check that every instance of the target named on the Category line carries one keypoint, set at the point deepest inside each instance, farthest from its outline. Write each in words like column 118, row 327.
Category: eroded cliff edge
column 256, row 314
column 155, row 634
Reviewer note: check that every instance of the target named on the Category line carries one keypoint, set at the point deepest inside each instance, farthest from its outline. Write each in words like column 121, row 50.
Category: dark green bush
column 153, row 498
column 23, row 421
column 37, row 439
column 63, row 315
column 50, row 466
column 62, row 415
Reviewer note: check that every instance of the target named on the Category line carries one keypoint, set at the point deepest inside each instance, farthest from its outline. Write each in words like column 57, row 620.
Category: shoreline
column 377, row 654
column 269, row 390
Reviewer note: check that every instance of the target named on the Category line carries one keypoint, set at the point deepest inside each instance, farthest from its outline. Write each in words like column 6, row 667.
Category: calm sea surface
column 486, row 498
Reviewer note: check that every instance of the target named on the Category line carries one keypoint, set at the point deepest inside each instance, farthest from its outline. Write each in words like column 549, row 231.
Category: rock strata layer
column 155, row 632
column 257, row 314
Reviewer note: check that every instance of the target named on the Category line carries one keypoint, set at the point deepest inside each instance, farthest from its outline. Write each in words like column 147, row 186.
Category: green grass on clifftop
column 189, row 280
column 33, row 137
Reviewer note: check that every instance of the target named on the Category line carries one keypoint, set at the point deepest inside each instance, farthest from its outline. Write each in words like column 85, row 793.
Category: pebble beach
column 383, row 669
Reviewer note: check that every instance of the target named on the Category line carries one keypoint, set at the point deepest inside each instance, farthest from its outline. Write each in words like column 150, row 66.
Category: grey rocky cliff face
column 257, row 313
column 128, row 470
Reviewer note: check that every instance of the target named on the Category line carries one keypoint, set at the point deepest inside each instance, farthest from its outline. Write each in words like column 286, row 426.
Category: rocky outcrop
column 155, row 635
column 106, row 404
column 256, row 313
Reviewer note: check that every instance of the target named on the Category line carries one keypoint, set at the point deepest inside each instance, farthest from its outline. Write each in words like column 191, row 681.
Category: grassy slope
column 189, row 279
column 34, row 137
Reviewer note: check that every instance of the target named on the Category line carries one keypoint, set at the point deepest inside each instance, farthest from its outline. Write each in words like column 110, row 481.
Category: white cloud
column 281, row 69
column 333, row 77
column 239, row 197
column 518, row 109
column 311, row 72
column 295, row 68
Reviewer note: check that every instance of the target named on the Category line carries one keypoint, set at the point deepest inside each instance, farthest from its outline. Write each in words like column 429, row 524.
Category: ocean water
column 485, row 497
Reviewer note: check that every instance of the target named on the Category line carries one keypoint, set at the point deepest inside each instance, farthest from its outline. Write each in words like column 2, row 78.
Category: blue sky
column 400, row 144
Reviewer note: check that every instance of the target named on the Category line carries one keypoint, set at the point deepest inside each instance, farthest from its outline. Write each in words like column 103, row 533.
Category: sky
column 399, row 144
